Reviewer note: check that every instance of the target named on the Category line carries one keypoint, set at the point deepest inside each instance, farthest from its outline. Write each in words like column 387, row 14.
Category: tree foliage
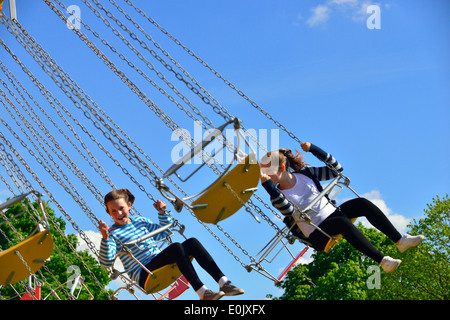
column 346, row 274
column 56, row 272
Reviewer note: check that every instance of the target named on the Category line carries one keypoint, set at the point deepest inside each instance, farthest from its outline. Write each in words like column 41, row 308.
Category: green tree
column 55, row 272
column 425, row 271
column 344, row 272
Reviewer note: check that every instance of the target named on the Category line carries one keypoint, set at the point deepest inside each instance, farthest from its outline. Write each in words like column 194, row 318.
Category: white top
column 301, row 195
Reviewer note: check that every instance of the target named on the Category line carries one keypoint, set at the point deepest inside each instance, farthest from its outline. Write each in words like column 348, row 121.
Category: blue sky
column 377, row 99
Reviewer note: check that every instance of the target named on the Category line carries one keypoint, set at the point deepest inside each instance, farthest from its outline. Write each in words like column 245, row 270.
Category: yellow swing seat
column 334, row 240
column 162, row 277
column 228, row 194
column 35, row 251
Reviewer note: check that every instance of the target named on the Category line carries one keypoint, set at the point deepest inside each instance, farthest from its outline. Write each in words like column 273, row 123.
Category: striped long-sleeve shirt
column 139, row 226
column 315, row 174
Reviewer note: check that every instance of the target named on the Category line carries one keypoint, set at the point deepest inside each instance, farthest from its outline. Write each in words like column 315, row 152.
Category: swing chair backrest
column 166, row 192
column 28, row 256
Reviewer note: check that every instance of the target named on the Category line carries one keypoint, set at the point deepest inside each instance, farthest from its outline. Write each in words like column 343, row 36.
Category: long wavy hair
column 285, row 157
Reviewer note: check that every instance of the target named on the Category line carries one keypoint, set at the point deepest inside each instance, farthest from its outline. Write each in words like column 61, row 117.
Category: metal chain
column 184, row 137
column 210, row 99
column 96, row 124
column 226, row 234
column 96, row 166
column 133, row 36
column 38, row 138
column 150, row 104
column 91, row 245
column 141, row 172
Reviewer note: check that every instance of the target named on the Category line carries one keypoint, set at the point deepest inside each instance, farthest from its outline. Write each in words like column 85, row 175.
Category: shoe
column 212, row 295
column 231, row 290
column 390, row 264
column 407, row 242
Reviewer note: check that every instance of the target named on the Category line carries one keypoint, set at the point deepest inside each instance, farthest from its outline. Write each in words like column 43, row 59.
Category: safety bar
column 302, row 214
column 324, row 192
column 149, row 235
column 17, row 199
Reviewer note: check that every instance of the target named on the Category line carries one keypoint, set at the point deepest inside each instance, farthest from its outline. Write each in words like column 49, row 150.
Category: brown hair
column 117, row 194
column 287, row 158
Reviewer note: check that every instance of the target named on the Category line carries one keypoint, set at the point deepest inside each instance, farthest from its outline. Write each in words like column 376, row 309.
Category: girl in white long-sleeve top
column 286, row 177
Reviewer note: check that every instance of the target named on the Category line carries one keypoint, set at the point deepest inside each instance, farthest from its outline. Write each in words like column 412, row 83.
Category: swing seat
column 333, row 241
column 35, row 251
column 162, row 277
column 219, row 202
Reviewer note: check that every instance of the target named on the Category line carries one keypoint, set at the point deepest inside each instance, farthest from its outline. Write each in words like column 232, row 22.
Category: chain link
column 54, row 71
column 216, row 73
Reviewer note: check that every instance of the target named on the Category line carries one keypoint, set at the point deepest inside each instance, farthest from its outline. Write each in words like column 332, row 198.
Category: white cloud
column 93, row 236
column 4, row 194
column 343, row 2
column 360, row 13
column 356, row 10
column 320, row 16
column 306, row 258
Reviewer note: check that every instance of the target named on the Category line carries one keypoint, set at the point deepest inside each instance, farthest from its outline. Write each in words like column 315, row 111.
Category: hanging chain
column 216, row 73
column 98, row 53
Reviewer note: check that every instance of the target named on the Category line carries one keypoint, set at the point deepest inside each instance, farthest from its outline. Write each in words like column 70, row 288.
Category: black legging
column 179, row 253
column 339, row 223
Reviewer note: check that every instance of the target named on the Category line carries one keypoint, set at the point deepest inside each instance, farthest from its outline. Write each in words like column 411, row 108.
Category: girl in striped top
column 288, row 180
column 126, row 228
